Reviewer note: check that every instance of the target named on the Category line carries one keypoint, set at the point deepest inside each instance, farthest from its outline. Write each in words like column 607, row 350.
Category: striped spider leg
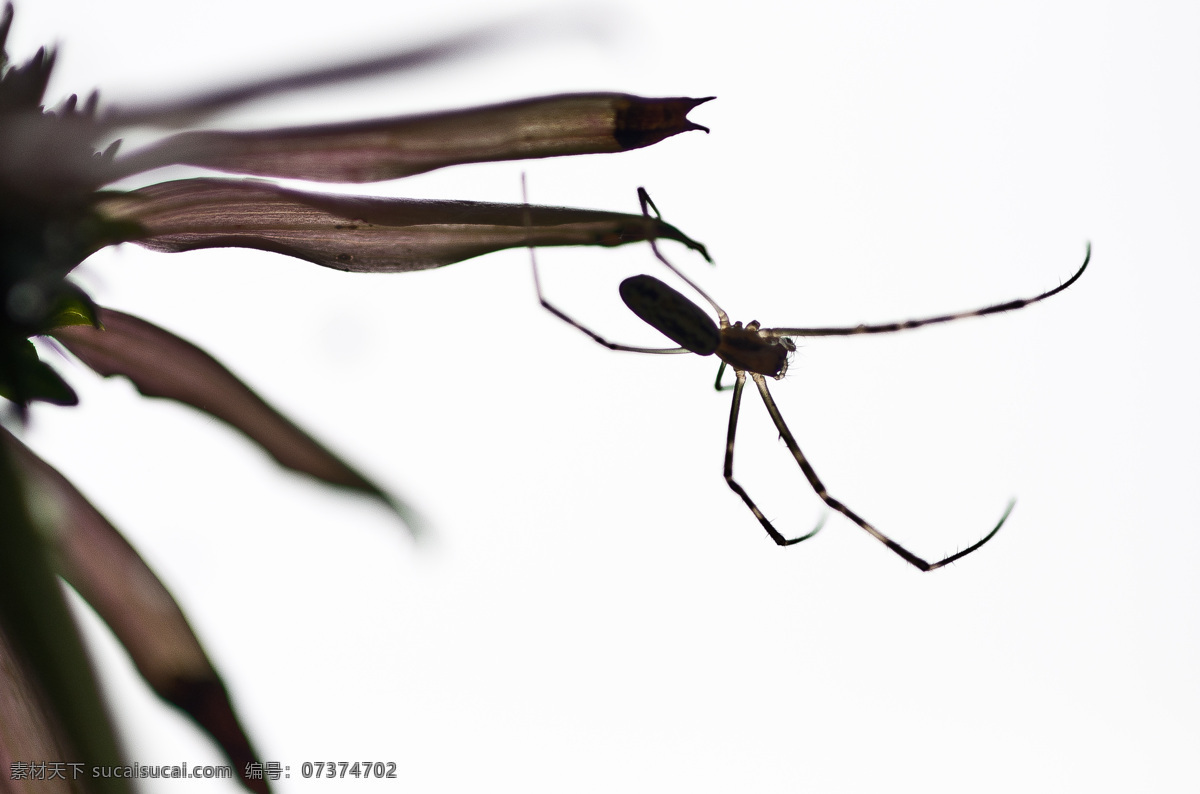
column 762, row 353
column 537, row 285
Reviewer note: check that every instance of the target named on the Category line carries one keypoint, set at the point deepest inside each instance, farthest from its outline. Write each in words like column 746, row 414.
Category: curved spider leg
column 888, row 328
column 718, row 385
column 819, row 487
column 733, row 484
column 647, row 203
column 595, row 336
column 537, row 284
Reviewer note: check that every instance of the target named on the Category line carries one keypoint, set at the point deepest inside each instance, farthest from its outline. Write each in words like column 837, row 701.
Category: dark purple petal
column 177, row 112
column 110, row 575
column 49, row 698
column 370, row 151
column 28, row 729
column 366, row 235
column 161, row 364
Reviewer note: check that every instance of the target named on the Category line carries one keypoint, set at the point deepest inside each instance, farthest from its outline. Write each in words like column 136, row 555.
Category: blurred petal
column 161, row 364
column 370, row 151
column 27, row 729
column 366, row 235
column 512, row 31
column 43, row 657
column 110, row 575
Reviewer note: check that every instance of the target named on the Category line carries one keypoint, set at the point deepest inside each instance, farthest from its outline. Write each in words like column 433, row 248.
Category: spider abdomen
column 682, row 321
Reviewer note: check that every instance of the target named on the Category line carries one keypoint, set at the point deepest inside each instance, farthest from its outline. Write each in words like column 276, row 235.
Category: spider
column 762, row 353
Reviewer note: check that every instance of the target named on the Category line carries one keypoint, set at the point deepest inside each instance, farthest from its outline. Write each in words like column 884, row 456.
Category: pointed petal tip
column 695, row 126
column 206, row 700
column 417, row 525
column 668, row 232
column 642, row 122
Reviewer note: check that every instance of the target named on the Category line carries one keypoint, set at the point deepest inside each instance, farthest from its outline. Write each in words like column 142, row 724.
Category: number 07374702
column 341, row 769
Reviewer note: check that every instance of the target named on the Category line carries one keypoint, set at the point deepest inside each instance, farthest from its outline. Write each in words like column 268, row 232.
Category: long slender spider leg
column 595, row 336
column 537, row 284
column 720, row 386
column 647, row 203
column 738, row 385
column 819, row 487
column 888, row 328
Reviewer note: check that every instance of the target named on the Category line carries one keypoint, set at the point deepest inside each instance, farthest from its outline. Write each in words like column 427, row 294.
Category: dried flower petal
column 110, row 575
column 161, row 364
column 510, row 32
column 27, row 729
column 370, row 151
column 45, row 662
column 366, row 235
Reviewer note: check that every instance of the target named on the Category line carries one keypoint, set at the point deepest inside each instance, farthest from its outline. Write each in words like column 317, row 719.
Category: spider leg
column 888, row 328
column 737, row 387
column 537, row 284
column 648, row 204
column 819, row 487
column 595, row 336
column 718, row 385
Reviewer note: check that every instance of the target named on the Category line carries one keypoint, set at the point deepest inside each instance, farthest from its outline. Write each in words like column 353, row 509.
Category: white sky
column 599, row 612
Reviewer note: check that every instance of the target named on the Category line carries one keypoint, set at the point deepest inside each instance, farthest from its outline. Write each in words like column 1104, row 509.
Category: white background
column 598, row 612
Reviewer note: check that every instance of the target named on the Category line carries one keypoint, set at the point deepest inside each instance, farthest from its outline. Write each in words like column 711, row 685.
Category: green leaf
column 25, row 377
column 44, row 641
column 72, row 307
